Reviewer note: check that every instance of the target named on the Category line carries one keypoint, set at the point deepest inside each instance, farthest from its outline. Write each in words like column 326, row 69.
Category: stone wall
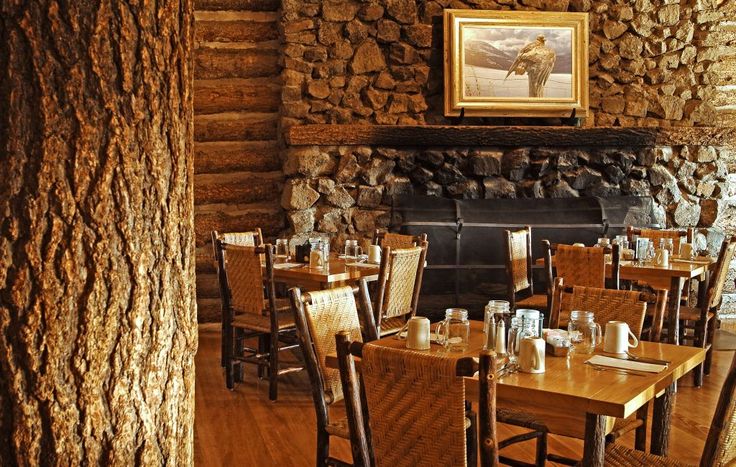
column 652, row 62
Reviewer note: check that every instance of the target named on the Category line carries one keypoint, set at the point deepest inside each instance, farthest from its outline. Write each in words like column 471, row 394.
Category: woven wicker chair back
column 519, row 241
column 402, row 276
column 239, row 238
column 607, row 305
column 396, row 241
column 416, row 407
column 720, row 445
column 329, row 312
column 718, row 281
column 244, row 279
column 581, row 266
column 656, row 235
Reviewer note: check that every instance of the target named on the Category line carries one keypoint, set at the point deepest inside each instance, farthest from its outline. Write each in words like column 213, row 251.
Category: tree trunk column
column 97, row 311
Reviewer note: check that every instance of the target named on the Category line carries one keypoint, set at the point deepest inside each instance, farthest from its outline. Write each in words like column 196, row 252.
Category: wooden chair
column 615, row 305
column 585, row 266
column 395, row 240
column 251, row 238
column 719, row 449
column 319, row 316
column 519, row 271
column 410, row 408
column 656, row 234
column 702, row 320
column 398, row 286
column 250, row 309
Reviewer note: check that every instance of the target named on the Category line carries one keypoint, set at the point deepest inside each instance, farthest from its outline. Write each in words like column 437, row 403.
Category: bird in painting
column 536, row 60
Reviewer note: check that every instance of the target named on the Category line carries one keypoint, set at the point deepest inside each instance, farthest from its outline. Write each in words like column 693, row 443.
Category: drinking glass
column 454, row 331
column 585, row 334
column 350, row 248
column 667, row 244
column 282, row 248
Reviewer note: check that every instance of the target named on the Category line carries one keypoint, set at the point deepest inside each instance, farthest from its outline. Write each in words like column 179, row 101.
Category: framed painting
column 516, row 63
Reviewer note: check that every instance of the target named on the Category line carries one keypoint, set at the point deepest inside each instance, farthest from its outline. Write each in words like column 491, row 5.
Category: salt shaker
column 500, row 343
column 490, row 333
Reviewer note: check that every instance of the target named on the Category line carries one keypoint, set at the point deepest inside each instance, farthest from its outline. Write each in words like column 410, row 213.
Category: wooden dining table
column 339, row 271
column 669, row 278
column 574, row 399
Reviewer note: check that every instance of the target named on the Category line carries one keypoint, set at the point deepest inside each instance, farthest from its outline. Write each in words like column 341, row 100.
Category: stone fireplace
column 361, row 116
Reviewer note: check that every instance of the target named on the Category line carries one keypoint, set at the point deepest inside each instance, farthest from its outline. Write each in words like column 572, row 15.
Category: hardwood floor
column 243, row 428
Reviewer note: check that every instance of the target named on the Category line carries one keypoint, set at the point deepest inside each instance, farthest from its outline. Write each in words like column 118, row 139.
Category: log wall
column 237, row 94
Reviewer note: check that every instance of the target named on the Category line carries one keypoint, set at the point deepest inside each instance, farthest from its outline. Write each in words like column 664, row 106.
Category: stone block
column 298, row 194
column 368, row 58
column 309, row 161
column 333, row 10
column 369, row 196
column 498, row 187
column 486, row 162
column 340, row 197
column 687, row 214
column 302, row 221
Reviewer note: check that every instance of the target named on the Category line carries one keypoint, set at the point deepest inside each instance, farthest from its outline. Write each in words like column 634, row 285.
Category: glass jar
column 493, row 309
column 454, row 332
column 667, row 244
column 585, row 334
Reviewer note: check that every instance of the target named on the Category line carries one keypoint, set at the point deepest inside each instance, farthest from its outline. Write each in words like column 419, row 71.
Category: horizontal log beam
column 236, row 188
column 236, row 95
column 233, row 126
column 236, row 156
column 204, row 261
column 238, row 5
column 209, row 310
column 212, row 63
column 271, row 221
column 235, row 31
column 516, row 136
column 207, row 285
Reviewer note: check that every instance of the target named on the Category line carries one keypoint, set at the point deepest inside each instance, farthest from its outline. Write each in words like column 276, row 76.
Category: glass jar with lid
column 585, row 334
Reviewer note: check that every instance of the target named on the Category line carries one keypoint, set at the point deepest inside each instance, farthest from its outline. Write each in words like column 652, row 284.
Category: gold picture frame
column 516, row 63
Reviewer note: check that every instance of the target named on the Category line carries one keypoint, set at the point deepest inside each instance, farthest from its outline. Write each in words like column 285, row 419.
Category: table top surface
column 568, row 382
column 338, row 270
column 677, row 268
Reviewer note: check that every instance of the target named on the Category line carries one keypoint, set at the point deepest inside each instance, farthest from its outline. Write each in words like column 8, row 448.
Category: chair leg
column 541, row 450
column 712, row 327
column 228, row 349
column 261, row 350
column 323, row 447
column 471, row 437
column 700, row 338
column 273, row 366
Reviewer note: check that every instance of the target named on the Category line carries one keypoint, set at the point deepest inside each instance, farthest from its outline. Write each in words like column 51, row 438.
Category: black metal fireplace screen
column 465, row 264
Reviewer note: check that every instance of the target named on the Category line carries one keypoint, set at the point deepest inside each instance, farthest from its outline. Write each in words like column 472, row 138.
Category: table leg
column 661, row 418
column 673, row 326
column 640, row 440
column 594, row 449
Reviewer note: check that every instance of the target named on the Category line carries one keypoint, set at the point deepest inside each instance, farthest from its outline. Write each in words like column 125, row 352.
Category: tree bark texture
column 97, row 306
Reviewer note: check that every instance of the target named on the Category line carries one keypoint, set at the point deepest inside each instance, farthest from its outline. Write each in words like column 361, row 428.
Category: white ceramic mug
column 686, row 250
column 374, row 254
column 662, row 258
column 617, row 337
column 531, row 355
column 417, row 334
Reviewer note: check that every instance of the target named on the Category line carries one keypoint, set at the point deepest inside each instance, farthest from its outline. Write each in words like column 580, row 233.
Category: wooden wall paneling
column 237, row 90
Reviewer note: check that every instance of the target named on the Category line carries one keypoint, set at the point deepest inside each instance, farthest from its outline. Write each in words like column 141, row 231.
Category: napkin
column 626, row 364
column 287, row 265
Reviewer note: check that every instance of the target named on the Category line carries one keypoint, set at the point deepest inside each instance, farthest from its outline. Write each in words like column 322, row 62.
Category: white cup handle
column 636, row 341
column 537, row 359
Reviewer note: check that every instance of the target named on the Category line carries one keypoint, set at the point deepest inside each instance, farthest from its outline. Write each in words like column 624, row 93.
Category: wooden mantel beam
column 557, row 136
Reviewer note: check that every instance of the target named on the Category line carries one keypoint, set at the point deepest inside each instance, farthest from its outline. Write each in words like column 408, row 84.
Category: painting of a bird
column 536, row 60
